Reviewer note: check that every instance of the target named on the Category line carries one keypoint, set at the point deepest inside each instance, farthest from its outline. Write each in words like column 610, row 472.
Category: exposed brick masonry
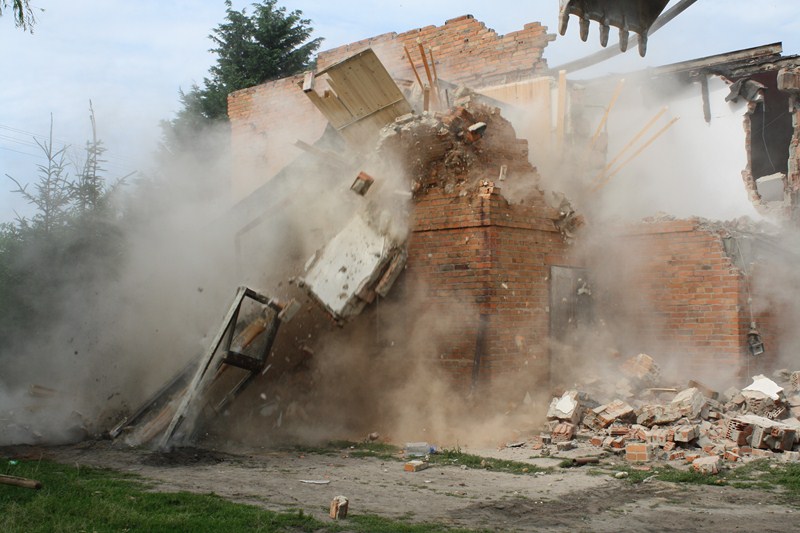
column 267, row 119
column 693, row 299
column 465, row 51
column 478, row 255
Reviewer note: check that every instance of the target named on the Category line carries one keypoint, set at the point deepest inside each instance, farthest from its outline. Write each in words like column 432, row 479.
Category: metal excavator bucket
column 627, row 15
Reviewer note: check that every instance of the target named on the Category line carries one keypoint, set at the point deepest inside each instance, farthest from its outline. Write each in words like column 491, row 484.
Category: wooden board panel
column 365, row 97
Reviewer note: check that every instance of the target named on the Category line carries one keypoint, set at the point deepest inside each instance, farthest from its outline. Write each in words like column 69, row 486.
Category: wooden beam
column 433, row 67
column 603, row 120
column 425, row 63
column 630, row 143
column 205, row 363
column 413, row 68
column 635, row 154
column 308, row 82
column 25, row 483
column 326, row 155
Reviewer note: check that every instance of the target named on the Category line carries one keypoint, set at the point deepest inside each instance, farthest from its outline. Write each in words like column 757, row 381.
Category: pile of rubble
column 456, row 149
column 697, row 424
column 468, row 147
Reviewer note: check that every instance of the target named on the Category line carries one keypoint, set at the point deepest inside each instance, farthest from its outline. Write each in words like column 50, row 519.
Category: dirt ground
column 575, row 499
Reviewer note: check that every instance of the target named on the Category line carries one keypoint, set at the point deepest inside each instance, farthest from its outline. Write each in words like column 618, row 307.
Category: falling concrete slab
column 344, row 274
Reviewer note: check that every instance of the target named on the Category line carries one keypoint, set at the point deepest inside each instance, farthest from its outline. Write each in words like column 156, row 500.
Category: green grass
column 378, row 450
column 457, row 458
column 76, row 499
column 761, row 474
column 670, row 474
column 766, row 474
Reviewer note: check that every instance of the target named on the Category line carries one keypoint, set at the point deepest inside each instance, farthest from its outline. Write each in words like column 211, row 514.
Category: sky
column 131, row 59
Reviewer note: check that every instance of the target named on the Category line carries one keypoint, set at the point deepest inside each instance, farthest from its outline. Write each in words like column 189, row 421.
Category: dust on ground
column 574, row 499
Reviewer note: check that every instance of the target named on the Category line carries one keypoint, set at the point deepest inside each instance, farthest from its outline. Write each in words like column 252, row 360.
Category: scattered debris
column 416, row 465
column 339, row 507
column 362, row 183
column 696, row 425
column 25, row 483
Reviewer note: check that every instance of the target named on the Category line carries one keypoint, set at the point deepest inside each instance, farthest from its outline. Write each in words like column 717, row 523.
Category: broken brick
column 706, row 465
column 653, row 415
column 690, row 402
column 612, row 412
column 731, row 456
column 563, row 432
column 636, row 452
column 685, row 433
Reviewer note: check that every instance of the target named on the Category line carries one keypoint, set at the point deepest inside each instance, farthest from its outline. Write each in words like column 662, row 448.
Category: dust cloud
column 186, row 253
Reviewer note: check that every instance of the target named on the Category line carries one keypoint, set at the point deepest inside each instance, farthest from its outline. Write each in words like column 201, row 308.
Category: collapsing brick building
column 487, row 245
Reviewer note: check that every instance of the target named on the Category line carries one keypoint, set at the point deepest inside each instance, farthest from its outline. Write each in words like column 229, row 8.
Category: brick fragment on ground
column 707, row 465
column 639, row 452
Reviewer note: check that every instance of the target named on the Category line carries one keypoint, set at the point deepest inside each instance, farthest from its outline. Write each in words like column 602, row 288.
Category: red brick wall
column 479, row 255
column 464, row 49
column 267, row 119
column 692, row 299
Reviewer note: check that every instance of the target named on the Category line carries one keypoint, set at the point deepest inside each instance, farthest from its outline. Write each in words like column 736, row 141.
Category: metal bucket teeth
column 628, row 15
column 604, row 29
column 623, row 39
column 584, row 24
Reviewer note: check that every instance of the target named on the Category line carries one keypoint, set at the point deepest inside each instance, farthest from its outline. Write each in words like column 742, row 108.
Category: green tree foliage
column 71, row 241
column 252, row 48
column 266, row 45
column 23, row 13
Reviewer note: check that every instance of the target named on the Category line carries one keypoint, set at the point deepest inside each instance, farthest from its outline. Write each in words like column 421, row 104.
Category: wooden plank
column 433, row 68
column 633, row 156
column 425, row 63
column 339, row 96
column 205, row 363
column 332, row 108
column 413, row 67
column 308, row 82
column 325, row 155
column 630, row 143
column 365, row 86
column 366, row 97
column 617, row 91
column 22, row 482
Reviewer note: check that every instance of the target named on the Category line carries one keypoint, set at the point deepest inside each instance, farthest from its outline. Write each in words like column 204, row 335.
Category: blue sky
column 130, row 59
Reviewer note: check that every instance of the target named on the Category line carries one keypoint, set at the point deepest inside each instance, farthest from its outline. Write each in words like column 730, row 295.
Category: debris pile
column 469, row 147
column 457, row 149
column 696, row 424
